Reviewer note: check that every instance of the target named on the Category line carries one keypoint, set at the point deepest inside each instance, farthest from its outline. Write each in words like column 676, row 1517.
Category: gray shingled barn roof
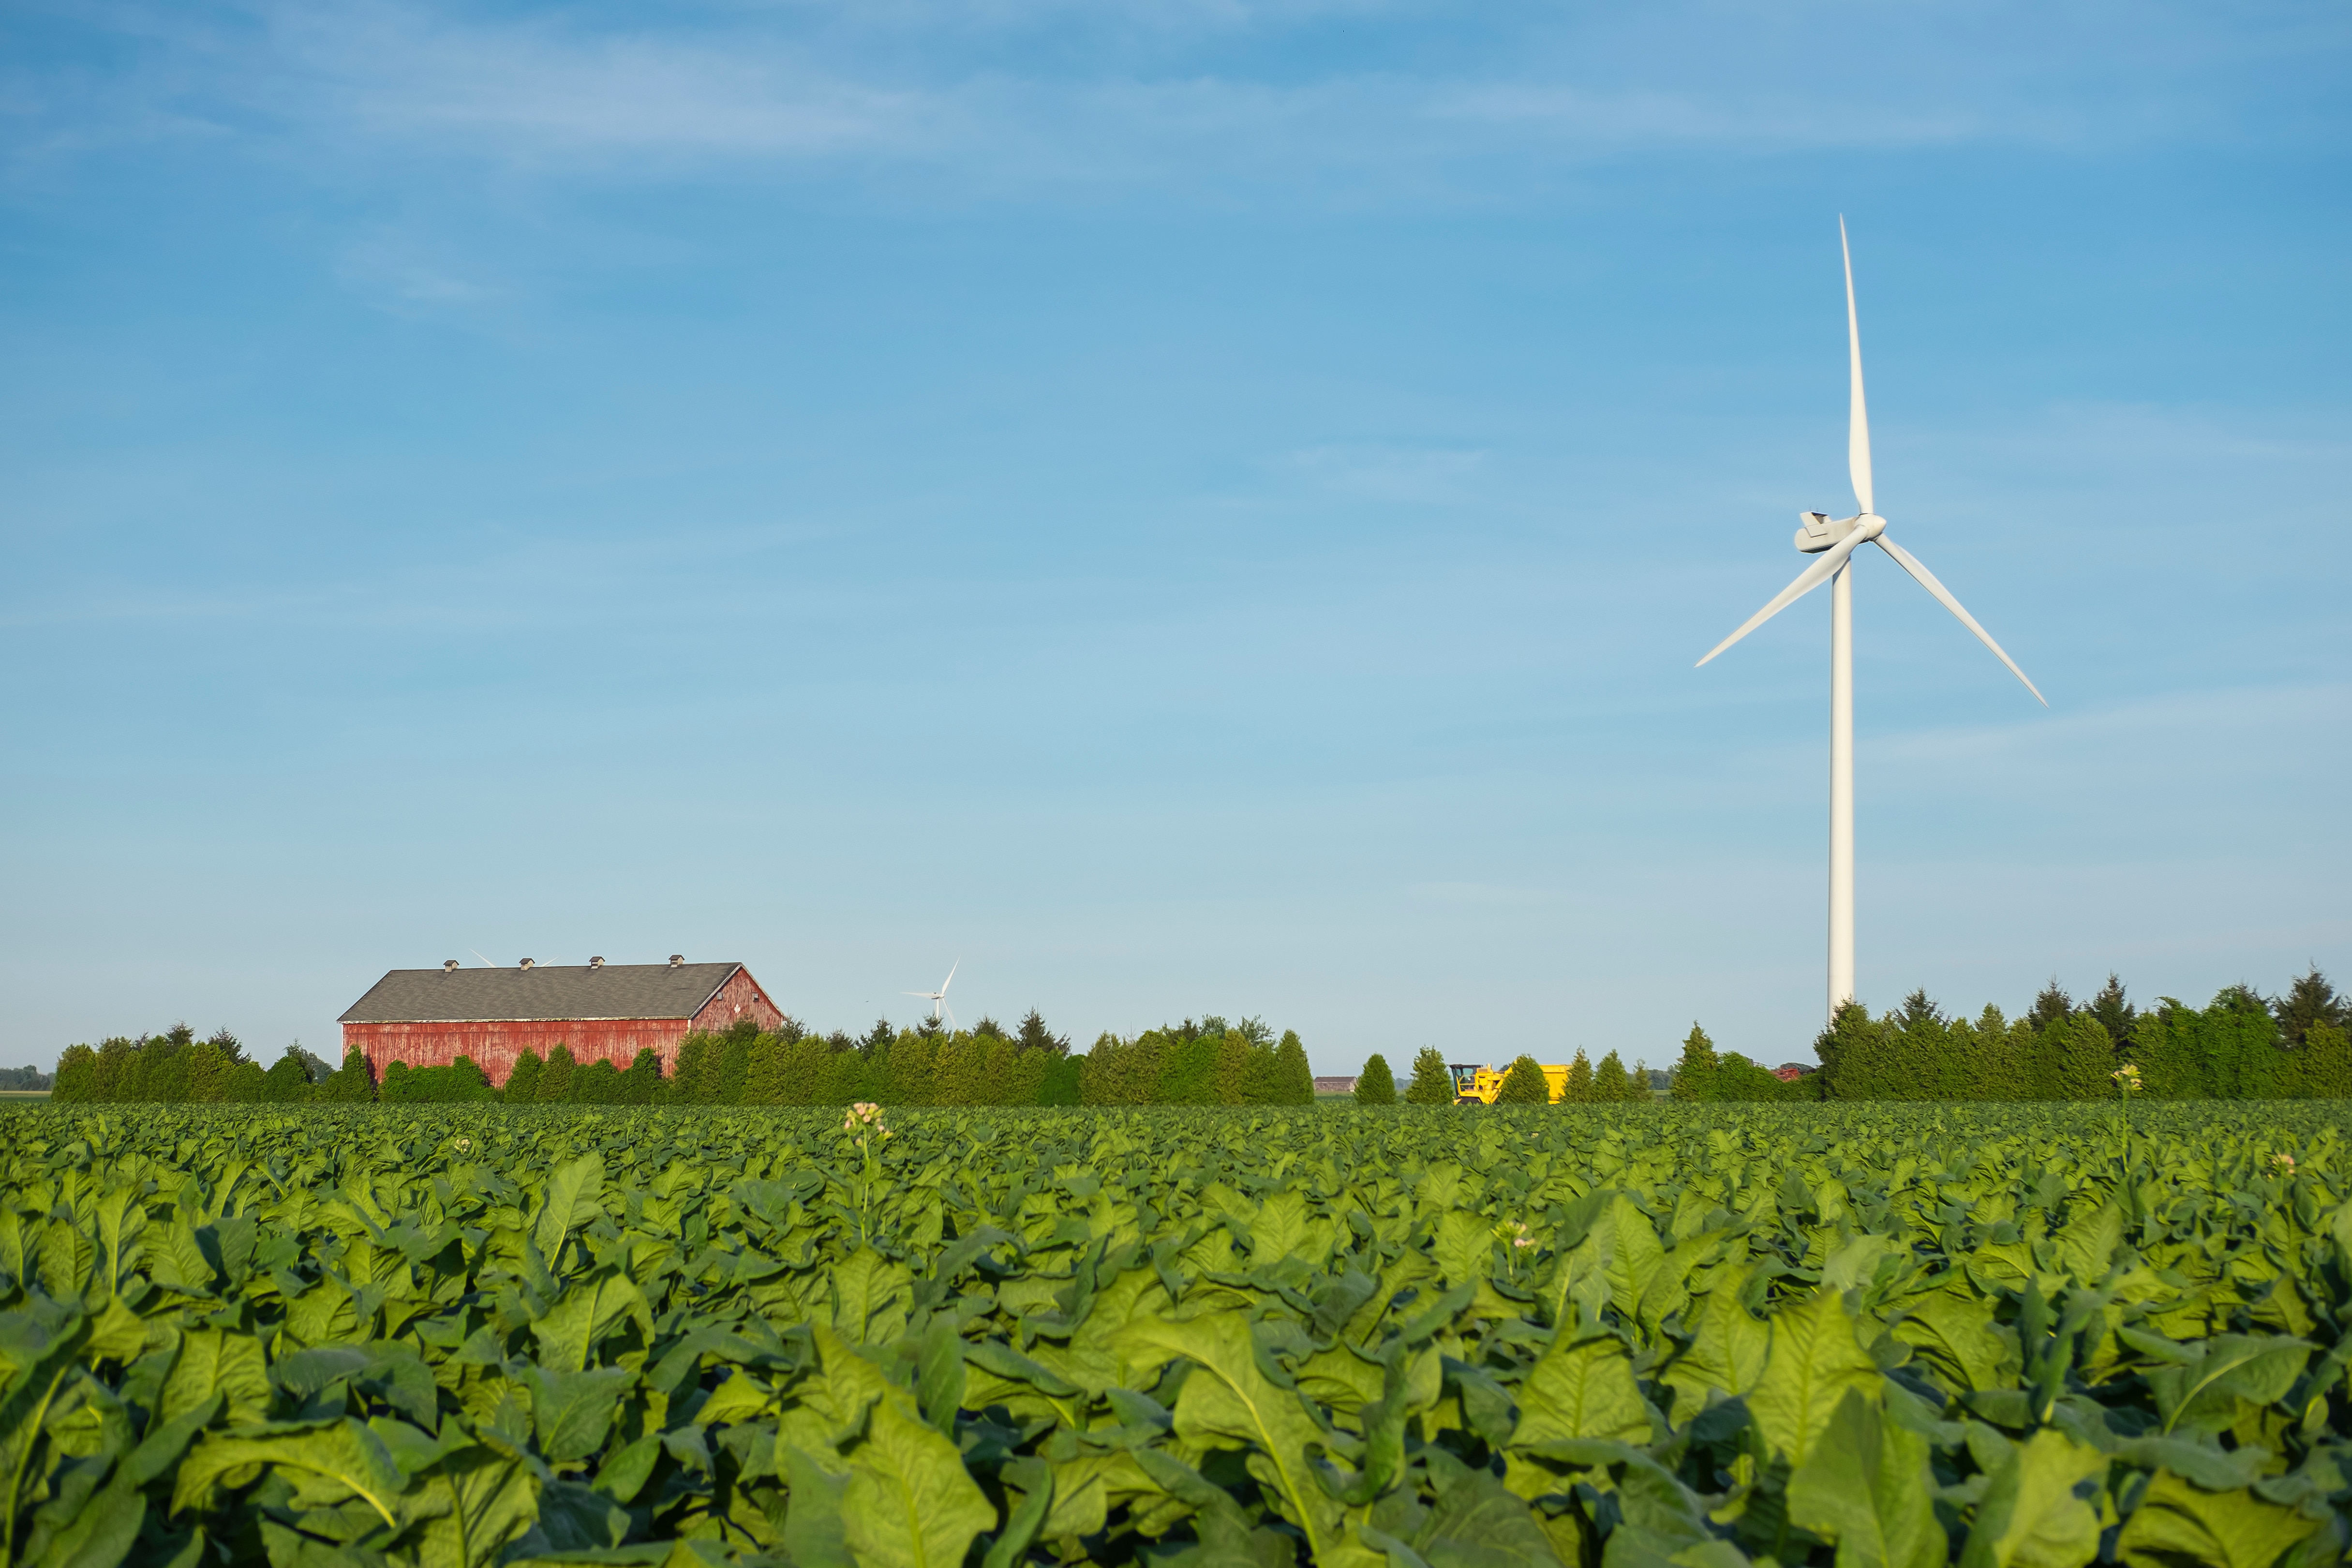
column 551, row 991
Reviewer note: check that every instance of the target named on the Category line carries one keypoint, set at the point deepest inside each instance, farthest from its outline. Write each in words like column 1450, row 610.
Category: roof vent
column 449, row 966
column 675, row 959
column 595, row 963
column 526, row 964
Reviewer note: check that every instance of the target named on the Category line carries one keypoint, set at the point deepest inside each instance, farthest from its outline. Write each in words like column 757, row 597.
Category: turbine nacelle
column 1817, row 530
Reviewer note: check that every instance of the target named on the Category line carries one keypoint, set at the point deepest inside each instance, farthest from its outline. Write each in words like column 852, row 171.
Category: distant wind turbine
column 1835, row 541
column 938, row 999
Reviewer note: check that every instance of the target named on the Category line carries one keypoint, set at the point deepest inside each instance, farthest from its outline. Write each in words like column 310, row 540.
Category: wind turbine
column 1835, row 539
column 938, row 999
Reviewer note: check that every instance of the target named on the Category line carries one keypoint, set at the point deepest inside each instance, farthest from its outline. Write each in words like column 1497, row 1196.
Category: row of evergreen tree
column 2239, row 1045
column 1207, row 1062
column 1525, row 1082
column 176, row 1067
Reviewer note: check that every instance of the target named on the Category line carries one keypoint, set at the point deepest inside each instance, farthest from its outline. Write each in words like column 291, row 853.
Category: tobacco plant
column 1701, row 1335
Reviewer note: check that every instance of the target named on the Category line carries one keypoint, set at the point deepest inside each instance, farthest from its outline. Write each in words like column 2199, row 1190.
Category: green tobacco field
column 2036, row 1335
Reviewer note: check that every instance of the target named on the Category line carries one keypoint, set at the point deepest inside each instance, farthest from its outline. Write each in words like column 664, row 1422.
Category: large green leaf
column 573, row 1198
column 1815, row 1360
column 42, row 1354
column 870, row 1295
column 328, row 1465
column 2030, row 1516
column 2203, row 1389
column 909, row 1503
column 1955, row 1335
column 584, row 1314
column 1228, row 1400
column 1867, row 1486
column 491, row 1499
column 2178, row 1523
column 574, row 1411
column 1582, row 1387
column 1728, row 1347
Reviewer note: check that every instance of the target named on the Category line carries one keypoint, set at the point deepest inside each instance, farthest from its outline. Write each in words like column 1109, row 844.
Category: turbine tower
column 1835, row 539
column 938, row 999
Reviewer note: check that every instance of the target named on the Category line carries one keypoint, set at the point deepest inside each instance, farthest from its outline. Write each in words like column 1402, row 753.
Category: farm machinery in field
column 1475, row 1084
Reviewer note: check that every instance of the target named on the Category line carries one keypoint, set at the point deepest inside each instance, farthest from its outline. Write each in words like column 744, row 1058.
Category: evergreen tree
column 2166, row 1046
column 2323, row 1066
column 1990, row 1058
column 288, row 1082
column 521, row 1087
column 1578, row 1090
column 1064, row 1079
column 1431, row 1083
column 2114, row 1013
column 393, row 1090
column 2079, row 1059
column 1017, row 1075
column 209, row 1065
column 1295, row 1075
column 597, row 1083
column 734, row 1059
column 1695, row 1074
column 76, row 1076
column 2243, row 1046
column 1610, row 1084
column 2053, row 1006
column 1188, row 1073
column 767, row 1076
column 1035, row 1037
column 1851, row 1048
column 248, row 1084
column 468, row 1082
column 1235, row 1083
column 2310, row 1000
column 694, row 1079
column 880, row 1034
column 1376, row 1085
column 1738, row 1079
column 555, row 1078
column 1525, row 1083
column 641, row 1084
column 352, row 1085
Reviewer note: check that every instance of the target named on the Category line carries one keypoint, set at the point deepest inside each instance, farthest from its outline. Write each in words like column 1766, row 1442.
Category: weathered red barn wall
column 740, row 998
column 495, row 1044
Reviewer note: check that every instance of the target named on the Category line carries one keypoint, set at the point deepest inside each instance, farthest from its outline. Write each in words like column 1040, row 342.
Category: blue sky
column 1179, row 507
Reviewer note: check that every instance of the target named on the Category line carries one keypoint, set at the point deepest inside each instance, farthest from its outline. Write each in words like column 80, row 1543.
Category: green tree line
column 1212, row 1062
column 1207, row 1062
column 2239, row 1045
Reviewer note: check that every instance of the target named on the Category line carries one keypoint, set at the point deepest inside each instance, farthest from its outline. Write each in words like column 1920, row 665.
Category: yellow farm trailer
column 1477, row 1085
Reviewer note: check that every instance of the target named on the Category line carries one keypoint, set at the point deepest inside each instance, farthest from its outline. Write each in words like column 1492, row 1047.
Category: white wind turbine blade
column 1857, row 434
column 951, row 969
column 1822, row 569
column 1910, row 564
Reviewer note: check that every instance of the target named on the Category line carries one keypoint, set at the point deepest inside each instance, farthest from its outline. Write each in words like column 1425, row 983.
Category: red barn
column 605, row 1012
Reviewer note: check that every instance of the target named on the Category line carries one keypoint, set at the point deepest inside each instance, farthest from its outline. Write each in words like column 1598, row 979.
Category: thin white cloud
column 1029, row 95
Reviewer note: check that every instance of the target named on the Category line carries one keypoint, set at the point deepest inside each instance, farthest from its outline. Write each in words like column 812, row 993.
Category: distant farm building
column 1324, row 1086
column 603, row 1011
